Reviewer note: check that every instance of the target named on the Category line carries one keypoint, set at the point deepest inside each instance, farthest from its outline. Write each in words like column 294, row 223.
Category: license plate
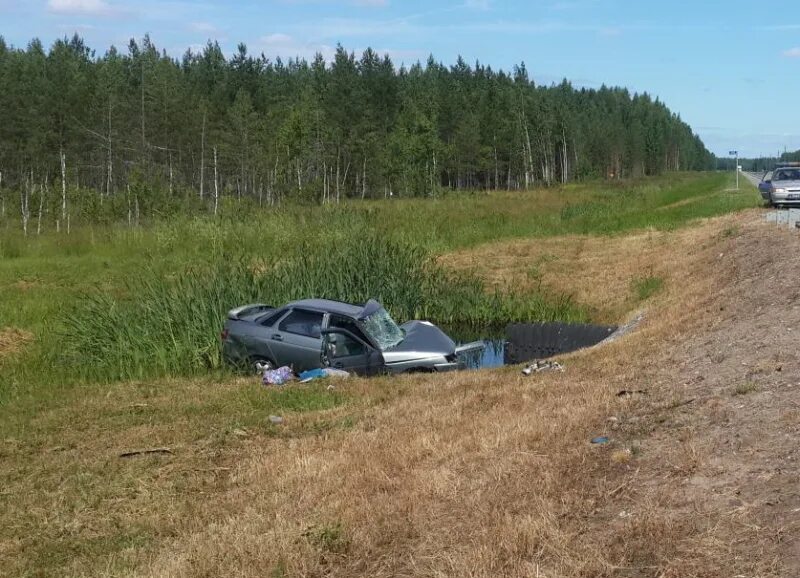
column 793, row 196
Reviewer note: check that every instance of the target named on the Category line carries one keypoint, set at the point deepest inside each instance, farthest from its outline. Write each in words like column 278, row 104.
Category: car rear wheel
column 259, row 365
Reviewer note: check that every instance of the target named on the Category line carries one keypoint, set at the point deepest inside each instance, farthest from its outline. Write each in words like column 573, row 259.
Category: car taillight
column 224, row 335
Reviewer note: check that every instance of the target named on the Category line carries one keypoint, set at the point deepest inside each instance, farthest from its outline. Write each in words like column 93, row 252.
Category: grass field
column 241, row 495
column 120, row 303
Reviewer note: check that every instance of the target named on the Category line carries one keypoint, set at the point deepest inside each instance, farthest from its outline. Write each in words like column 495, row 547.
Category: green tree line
column 137, row 133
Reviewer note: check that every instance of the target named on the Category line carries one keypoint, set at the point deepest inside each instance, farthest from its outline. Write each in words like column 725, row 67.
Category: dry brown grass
column 473, row 474
column 13, row 340
column 596, row 271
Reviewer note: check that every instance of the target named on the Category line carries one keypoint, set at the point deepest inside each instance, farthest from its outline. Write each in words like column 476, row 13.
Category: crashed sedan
column 313, row 333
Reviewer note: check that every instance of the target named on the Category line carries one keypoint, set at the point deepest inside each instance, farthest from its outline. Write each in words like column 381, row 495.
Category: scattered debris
column 242, row 433
column 278, row 376
column 600, row 440
column 275, row 419
column 313, row 374
column 145, row 452
column 631, row 392
column 336, row 373
column 540, row 366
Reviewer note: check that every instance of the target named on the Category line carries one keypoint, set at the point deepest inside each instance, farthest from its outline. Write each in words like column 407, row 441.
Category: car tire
column 258, row 365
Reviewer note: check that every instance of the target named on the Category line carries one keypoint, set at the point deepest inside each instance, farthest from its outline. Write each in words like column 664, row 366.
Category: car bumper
column 792, row 198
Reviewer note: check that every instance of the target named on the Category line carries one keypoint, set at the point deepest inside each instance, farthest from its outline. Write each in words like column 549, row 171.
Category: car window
column 768, row 176
column 339, row 322
column 271, row 318
column 341, row 345
column 790, row 175
column 299, row 322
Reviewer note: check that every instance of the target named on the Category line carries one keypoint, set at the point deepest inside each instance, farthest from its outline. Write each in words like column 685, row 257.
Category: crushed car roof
column 328, row 306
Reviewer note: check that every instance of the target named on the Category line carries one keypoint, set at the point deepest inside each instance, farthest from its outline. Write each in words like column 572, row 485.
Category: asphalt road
column 754, row 178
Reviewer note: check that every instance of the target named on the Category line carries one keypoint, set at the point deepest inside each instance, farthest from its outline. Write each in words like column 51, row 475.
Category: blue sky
column 730, row 68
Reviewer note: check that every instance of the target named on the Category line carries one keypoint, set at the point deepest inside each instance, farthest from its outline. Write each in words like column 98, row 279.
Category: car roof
column 328, row 306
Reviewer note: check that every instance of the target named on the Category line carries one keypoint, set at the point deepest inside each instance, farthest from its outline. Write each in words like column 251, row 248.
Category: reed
column 169, row 325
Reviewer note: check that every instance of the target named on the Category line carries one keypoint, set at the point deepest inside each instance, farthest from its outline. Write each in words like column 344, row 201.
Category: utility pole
column 736, row 166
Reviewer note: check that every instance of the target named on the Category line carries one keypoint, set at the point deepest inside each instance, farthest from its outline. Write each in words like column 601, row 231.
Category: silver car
column 781, row 187
column 313, row 333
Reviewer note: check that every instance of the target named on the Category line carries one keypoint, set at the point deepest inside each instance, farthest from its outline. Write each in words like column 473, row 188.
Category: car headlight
column 778, row 190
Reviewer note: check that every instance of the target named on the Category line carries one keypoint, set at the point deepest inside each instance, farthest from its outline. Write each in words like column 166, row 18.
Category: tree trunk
column 64, row 188
column 25, row 197
column 216, row 183
column 299, row 177
column 42, row 192
column 324, row 181
column 144, row 139
column 364, row 179
column 110, row 160
column 203, row 156
column 496, row 168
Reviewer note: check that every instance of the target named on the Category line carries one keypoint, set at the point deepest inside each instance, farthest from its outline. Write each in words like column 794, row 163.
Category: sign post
column 736, row 166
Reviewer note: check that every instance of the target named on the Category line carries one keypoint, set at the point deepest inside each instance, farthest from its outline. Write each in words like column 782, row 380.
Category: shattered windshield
column 383, row 330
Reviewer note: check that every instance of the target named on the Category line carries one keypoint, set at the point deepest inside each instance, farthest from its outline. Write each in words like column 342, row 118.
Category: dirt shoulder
column 719, row 432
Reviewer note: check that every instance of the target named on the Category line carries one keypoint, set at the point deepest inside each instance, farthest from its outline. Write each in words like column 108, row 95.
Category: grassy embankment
column 71, row 506
column 115, row 303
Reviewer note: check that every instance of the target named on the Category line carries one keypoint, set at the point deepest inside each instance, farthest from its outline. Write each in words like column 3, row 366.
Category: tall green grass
column 112, row 301
column 169, row 325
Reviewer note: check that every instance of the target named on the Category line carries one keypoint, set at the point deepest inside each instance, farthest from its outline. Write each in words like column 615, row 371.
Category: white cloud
column 85, row 7
column 206, row 27
column 285, row 46
column 372, row 3
column 276, row 39
column 792, row 53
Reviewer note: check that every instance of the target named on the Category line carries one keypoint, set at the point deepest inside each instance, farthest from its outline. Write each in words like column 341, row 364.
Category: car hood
column 423, row 339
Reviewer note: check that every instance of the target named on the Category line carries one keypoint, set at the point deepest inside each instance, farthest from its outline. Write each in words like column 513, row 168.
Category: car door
column 261, row 339
column 765, row 185
column 343, row 350
column 298, row 338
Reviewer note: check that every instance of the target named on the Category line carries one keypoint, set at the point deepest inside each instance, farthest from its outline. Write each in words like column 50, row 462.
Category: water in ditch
column 524, row 342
